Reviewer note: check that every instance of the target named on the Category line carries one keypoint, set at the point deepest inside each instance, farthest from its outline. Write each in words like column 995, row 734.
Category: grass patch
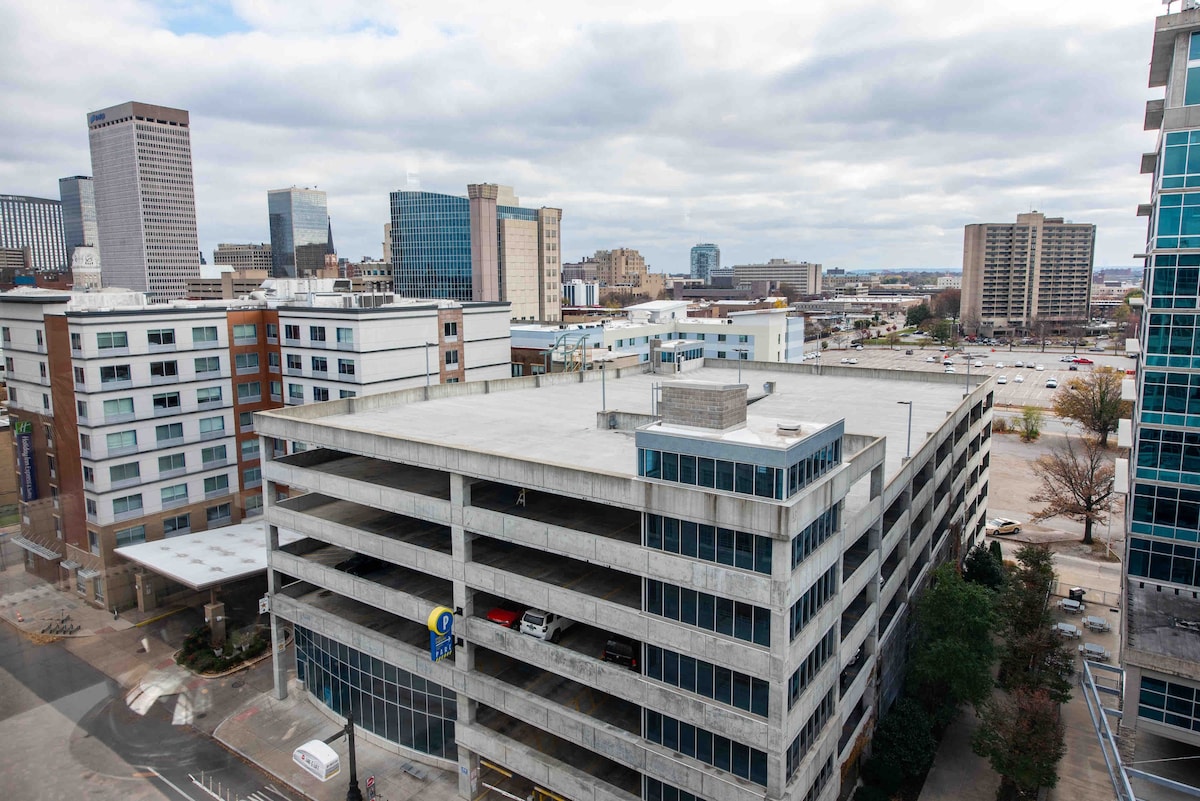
column 9, row 514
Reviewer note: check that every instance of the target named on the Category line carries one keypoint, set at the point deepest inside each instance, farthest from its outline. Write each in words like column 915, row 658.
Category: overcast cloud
column 859, row 135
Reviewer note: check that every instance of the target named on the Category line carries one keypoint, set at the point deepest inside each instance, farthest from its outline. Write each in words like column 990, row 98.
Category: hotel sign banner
column 25, row 465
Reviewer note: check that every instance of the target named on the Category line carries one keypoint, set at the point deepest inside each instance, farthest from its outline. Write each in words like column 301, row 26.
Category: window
column 124, row 472
column 710, row 612
column 130, row 504
column 93, row 537
column 276, row 390
column 245, row 420
column 451, row 357
column 294, row 362
column 1191, row 94
column 45, row 401
column 89, row 475
column 345, row 367
column 76, row 343
column 808, row 734
column 320, row 394
column 347, row 393
column 42, row 369
column 165, row 402
column 273, row 361
column 709, row 543
column 291, row 332
column 80, row 376
column 206, row 333
column 704, row 678
column 252, row 475
column 217, row 453
column 90, row 505
column 316, row 333
column 320, row 364
column 112, row 339
column 212, row 425
column 218, row 514
column 245, row 332
column 173, row 495
column 8, row 364
column 127, row 536
column 345, row 336
column 450, row 329
column 175, row 461
column 161, row 336
column 246, row 361
column 164, row 370
column 85, row 443
column 249, row 449
column 296, row 392
column 807, row 606
column 743, row 338
column 208, row 364
column 216, row 484
column 81, row 409
column 181, row 524
column 254, row 504
column 118, row 406
column 168, row 432
column 707, row 747
column 113, row 373
column 272, row 331
column 249, row 392
column 821, row 653
column 120, row 439
column 208, row 395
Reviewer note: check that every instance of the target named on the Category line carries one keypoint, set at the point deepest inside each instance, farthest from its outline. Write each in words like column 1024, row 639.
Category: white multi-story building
column 145, row 198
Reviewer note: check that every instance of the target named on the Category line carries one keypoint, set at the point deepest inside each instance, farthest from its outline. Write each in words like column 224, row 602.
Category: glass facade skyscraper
column 431, row 245
column 301, row 233
column 34, row 223
column 78, row 197
column 706, row 257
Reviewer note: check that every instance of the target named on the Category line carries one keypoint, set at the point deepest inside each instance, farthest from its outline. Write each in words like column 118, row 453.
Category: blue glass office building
column 431, row 245
column 705, row 258
column 300, row 232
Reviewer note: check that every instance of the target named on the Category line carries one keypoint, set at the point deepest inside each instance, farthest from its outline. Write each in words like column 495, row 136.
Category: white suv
column 544, row 625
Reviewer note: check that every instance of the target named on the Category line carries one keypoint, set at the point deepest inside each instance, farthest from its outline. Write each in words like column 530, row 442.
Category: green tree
column 946, row 303
column 1094, row 401
column 953, row 652
column 942, row 330
column 982, row 567
column 1022, row 737
column 893, row 339
column 1031, row 423
column 902, row 749
column 917, row 315
column 1078, row 484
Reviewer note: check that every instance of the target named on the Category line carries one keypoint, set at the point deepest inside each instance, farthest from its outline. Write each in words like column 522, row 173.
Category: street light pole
column 603, row 388
column 740, row 352
column 353, row 793
column 908, row 447
column 427, row 345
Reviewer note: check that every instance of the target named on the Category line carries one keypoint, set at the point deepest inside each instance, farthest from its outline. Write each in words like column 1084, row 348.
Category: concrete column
column 468, row 773
column 876, row 481
column 143, row 584
column 278, row 657
column 214, row 616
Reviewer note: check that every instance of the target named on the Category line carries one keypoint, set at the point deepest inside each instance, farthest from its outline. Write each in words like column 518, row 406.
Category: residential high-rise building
column 620, row 267
column 1032, row 276
column 243, row 257
column 78, row 197
column 756, row 565
column 135, row 420
column 483, row 247
column 34, row 223
column 1160, row 653
column 705, row 259
column 301, row 232
column 802, row 276
column 145, row 198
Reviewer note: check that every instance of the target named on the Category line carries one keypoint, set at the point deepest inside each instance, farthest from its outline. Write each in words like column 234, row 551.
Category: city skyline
column 815, row 145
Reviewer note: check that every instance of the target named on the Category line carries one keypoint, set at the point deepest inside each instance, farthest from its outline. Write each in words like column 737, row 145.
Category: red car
column 1083, row 360
column 508, row 618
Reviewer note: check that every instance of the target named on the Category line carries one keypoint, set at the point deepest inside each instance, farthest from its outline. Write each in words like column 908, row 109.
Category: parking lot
column 1030, row 391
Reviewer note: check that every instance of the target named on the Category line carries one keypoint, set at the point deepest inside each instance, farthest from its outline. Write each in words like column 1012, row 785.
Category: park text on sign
column 441, row 633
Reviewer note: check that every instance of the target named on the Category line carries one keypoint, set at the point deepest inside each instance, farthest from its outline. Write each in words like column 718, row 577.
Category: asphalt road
column 69, row 735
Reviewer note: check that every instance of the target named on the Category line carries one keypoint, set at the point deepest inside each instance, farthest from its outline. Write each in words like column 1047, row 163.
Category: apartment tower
column 35, row 223
column 1031, row 276
column 145, row 198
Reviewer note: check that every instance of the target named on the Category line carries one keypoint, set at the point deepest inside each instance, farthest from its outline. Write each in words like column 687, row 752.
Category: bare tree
column 1076, row 484
column 1094, row 402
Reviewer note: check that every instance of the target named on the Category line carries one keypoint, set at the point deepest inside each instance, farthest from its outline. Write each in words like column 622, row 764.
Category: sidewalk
column 238, row 710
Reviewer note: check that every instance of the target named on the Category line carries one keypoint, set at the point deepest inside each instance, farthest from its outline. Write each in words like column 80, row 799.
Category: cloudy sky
column 861, row 135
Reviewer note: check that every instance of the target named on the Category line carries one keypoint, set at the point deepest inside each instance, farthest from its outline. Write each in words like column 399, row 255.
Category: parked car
column 908, row 353
column 622, row 651
column 930, row 359
column 1018, row 379
column 503, row 616
column 1083, row 360
column 999, row 365
column 544, row 625
column 1096, row 350
column 1073, row 367
column 1019, row 364
column 1067, row 359
column 949, row 368
column 1001, row 379
column 1002, row 525
column 978, row 363
column 1040, row 367
column 1051, row 383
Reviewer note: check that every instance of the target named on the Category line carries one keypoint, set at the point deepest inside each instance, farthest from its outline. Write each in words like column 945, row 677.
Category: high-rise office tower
column 145, row 198
column 1162, row 579
column 1032, row 276
column 802, row 276
column 243, row 257
column 705, row 259
column 483, row 247
column 34, row 223
column 301, row 233
column 78, row 197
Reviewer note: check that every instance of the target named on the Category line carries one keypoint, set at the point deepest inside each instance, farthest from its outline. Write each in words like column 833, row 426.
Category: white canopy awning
column 208, row 558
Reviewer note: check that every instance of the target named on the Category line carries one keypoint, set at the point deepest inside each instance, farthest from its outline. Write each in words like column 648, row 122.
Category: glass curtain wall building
column 301, row 233
column 431, row 245
column 705, row 259
column 78, row 196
